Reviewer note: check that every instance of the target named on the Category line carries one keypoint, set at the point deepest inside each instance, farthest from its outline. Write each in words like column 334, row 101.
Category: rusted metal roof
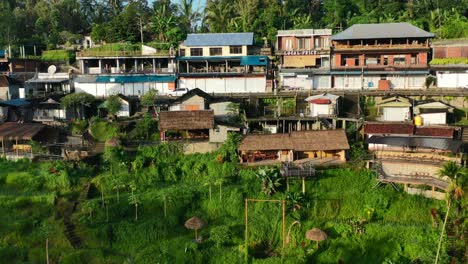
column 17, row 131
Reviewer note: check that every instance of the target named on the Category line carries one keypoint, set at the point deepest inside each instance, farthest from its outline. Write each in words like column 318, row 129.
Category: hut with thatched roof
column 195, row 223
column 316, row 235
column 186, row 124
column 295, row 145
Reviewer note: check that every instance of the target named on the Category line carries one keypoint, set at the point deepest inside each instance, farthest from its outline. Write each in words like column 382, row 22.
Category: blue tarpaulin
column 135, row 79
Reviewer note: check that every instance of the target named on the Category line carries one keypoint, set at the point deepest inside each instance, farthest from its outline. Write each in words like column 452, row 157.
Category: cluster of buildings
column 409, row 139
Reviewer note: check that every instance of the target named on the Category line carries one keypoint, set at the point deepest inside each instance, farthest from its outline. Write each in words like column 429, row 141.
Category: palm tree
column 218, row 15
column 189, row 15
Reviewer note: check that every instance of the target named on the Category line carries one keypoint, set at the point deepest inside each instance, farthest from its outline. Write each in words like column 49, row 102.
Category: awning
column 254, row 61
column 420, row 142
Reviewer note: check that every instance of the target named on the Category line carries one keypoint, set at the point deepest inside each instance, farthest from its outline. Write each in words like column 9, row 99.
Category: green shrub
column 58, row 55
column 102, row 130
column 220, row 235
column 19, row 179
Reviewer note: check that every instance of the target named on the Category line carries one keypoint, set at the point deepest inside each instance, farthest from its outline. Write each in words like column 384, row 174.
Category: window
column 385, row 60
column 182, row 52
column 216, row 51
column 414, row 59
column 196, row 52
column 302, row 43
column 235, row 49
column 399, row 60
column 372, row 60
column 288, row 44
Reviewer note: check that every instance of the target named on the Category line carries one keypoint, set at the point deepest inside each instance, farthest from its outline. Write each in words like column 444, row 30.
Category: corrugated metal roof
column 16, row 102
column 219, row 39
column 135, row 79
column 380, row 31
column 421, row 142
column 329, row 96
column 254, row 60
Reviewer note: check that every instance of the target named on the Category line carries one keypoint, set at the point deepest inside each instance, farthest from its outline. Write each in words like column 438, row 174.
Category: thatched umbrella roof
column 316, row 234
column 113, row 142
column 194, row 223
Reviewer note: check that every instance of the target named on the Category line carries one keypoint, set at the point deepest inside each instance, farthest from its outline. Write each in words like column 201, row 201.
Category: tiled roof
column 219, row 39
column 382, row 31
column 388, row 128
column 434, row 131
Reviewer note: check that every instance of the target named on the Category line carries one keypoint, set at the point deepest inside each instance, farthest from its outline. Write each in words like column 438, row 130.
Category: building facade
column 222, row 63
column 450, row 63
column 380, row 56
column 304, row 58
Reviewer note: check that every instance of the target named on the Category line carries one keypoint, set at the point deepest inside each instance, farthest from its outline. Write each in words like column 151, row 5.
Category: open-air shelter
column 15, row 137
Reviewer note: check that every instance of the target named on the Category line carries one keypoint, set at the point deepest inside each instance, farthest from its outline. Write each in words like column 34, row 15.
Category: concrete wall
column 434, row 118
column 201, row 147
column 452, row 79
column 225, row 84
column 354, row 82
column 220, row 133
column 426, row 193
column 300, row 81
column 193, row 103
column 128, row 89
column 220, row 109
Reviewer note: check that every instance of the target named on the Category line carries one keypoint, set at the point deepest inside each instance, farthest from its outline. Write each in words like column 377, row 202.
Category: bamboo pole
column 283, row 203
column 246, row 230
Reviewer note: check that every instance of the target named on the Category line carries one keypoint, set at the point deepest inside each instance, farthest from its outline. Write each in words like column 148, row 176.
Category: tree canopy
column 46, row 24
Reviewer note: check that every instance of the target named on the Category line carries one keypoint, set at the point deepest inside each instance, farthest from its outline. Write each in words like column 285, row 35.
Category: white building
column 323, row 105
column 433, row 113
column 395, row 109
column 128, row 85
column 220, row 63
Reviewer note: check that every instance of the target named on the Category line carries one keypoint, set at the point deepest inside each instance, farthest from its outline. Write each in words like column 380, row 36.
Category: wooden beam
column 246, row 229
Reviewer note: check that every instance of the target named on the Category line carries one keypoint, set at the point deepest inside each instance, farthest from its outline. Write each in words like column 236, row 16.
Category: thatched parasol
column 316, row 234
column 195, row 223
column 113, row 142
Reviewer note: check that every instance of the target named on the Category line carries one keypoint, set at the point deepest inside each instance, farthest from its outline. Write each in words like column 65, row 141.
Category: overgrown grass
column 171, row 187
column 102, row 130
column 58, row 55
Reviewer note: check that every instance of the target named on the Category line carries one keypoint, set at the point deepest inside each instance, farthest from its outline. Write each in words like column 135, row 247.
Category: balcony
column 121, row 53
column 367, row 47
column 394, row 67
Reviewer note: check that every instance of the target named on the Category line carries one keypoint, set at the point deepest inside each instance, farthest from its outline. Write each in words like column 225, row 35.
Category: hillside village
column 386, row 97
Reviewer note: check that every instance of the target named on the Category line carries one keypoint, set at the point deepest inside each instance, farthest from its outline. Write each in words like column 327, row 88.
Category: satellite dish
column 52, row 69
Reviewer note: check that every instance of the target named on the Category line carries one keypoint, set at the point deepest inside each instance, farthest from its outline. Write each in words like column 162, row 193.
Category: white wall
column 452, row 79
column 434, row 118
column 225, row 85
column 321, row 82
column 124, row 109
column 128, row 89
column 397, row 81
column 301, row 82
column 395, row 113
column 320, row 109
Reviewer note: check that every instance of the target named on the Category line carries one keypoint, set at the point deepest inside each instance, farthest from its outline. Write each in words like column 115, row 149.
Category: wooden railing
column 380, row 46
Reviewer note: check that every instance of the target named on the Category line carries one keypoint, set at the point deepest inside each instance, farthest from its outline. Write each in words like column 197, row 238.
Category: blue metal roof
column 16, row 102
column 254, row 60
column 2, row 53
column 135, row 79
column 219, row 39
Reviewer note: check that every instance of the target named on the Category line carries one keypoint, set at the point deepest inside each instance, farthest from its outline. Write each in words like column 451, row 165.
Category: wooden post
column 287, row 183
column 246, row 230
column 47, row 250
column 17, row 148
column 3, row 147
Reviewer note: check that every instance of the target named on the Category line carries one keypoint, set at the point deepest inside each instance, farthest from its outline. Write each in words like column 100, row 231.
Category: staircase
column 70, row 228
column 464, row 136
